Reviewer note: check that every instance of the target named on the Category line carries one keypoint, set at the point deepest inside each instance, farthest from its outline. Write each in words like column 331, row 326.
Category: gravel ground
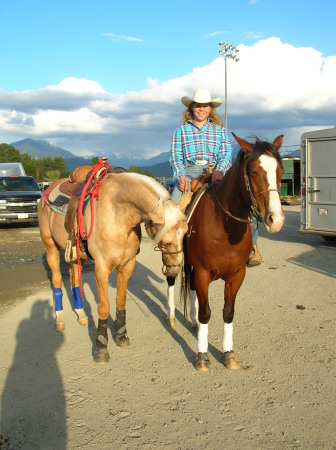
column 150, row 396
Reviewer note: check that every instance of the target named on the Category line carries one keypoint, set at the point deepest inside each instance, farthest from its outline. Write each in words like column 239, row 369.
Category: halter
column 255, row 212
column 158, row 249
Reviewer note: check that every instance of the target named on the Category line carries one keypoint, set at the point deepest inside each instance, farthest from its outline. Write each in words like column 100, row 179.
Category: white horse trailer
column 318, row 183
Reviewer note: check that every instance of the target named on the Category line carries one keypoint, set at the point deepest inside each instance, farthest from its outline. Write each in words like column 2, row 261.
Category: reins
column 249, row 220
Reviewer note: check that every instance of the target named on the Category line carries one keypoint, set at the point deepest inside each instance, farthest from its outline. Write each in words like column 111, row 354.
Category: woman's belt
column 201, row 162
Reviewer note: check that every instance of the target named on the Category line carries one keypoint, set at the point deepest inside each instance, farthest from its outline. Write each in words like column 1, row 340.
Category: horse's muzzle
column 170, row 271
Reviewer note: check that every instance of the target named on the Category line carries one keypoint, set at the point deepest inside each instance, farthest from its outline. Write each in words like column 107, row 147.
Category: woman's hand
column 216, row 176
column 181, row 183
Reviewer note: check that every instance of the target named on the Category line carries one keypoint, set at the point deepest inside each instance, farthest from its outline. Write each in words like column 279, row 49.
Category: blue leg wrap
column 77, row 298
column 58, row 294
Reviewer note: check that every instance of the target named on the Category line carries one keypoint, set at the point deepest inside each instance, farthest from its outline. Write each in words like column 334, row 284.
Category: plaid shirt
column 190, row 144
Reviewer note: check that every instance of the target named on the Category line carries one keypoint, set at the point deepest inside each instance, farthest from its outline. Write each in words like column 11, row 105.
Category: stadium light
column 228, row 51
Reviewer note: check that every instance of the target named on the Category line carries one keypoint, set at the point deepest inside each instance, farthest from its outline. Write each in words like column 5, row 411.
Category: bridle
column 252, row 196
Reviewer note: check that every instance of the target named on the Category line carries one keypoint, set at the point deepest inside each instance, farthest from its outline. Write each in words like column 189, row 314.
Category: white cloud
column 274, row 88
column 116, row 37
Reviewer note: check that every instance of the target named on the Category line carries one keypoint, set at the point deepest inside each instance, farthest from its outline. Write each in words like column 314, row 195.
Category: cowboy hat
column 202, row 96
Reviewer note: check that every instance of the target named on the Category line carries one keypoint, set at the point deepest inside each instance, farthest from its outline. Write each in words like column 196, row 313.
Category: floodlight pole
column 228, row 51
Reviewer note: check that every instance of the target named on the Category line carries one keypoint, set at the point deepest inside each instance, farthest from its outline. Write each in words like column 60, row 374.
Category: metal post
column 228, row 51
column 225, row 58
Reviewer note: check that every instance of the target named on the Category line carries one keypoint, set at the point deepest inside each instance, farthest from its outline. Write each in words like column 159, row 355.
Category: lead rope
column 100, row 170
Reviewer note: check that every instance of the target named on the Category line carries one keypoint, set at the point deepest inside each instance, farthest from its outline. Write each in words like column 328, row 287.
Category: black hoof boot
column 101, row 355
column 122, row 340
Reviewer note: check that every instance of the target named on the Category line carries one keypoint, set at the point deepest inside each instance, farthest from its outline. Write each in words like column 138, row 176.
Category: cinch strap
column 77, row 298
column 58, row 294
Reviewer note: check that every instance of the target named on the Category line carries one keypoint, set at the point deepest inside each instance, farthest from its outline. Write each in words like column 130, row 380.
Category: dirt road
column 150, row 396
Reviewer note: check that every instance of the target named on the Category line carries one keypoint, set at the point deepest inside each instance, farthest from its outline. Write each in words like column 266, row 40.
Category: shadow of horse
column 310, row 259
column 142, row 291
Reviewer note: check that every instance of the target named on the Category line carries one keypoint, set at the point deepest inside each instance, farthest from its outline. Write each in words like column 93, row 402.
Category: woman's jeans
column 254, row 231
column 192, row 171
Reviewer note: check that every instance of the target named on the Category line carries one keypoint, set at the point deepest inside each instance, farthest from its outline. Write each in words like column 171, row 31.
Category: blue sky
column 107, row 76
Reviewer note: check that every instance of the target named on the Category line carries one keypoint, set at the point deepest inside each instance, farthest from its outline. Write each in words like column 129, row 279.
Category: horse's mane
column 172, row 213
column 152, row 184
column 260, row 147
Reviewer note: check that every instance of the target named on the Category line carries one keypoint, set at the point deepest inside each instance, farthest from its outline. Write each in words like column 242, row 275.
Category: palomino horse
column 125, row 201
column 218, row 241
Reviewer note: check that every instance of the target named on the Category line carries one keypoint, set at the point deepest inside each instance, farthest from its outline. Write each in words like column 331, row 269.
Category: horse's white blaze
column 202, row 338
column 227, row 337
column 269, row 165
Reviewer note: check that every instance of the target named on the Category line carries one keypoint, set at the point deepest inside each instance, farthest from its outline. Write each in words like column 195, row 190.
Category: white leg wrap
column 203, row 338
column 227, row 337
column 170, row 302
column 193, row 306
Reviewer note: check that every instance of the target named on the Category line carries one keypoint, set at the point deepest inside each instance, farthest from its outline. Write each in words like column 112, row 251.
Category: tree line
column 48, row 169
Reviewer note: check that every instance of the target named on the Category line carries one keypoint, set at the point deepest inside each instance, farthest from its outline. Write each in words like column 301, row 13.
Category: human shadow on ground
column 33, row 407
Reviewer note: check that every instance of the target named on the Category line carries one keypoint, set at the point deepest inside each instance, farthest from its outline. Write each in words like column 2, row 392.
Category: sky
column 105, row 76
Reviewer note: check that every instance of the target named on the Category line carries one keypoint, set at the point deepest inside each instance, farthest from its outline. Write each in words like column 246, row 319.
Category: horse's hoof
column 202, row 363
column 123, row 341
column 170, row 321
column 101, row 356
column 83, row 321
column 194, row 325
column 82, row 318
column 231, row 361
column 60, row 326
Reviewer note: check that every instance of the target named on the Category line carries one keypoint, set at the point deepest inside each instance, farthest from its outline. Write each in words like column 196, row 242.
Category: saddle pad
column 58, row 198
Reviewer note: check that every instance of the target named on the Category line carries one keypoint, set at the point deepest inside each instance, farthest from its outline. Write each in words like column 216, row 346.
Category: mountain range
column 158, row 165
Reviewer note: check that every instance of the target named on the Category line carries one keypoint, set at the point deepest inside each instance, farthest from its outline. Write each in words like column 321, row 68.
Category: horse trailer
column 318, row 183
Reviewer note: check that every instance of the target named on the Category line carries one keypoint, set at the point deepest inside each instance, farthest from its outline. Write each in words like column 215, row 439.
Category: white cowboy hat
column 202, row 95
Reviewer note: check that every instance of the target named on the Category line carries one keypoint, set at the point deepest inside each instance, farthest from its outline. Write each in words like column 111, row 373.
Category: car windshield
column 18, row 184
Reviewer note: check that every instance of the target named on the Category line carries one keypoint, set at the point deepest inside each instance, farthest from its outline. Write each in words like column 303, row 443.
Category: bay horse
column 124, row 201
column 218, row 241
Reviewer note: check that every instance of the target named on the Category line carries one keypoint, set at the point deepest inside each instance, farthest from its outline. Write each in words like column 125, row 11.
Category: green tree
column 94, row 160
column 52, row 175
column 137, row 169
column 8, row 153
column 148, row 173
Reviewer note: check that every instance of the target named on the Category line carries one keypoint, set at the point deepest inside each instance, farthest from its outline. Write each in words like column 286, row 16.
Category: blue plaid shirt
column 190, row 144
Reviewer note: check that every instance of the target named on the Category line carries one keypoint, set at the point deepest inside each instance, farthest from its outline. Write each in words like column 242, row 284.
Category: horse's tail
column 185, row 280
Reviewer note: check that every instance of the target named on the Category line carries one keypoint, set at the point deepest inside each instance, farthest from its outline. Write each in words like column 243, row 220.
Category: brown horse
column 218, row 241
column 124, row 202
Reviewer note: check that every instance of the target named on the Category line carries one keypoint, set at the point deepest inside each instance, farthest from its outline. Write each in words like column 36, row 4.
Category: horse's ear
column 244, row 145
column 185, row 200
column 278, row 141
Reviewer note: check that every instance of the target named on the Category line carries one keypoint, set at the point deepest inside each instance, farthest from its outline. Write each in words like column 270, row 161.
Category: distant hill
column 161, row 170
column 158, row 165
column 41, row 149
column 44, row 149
